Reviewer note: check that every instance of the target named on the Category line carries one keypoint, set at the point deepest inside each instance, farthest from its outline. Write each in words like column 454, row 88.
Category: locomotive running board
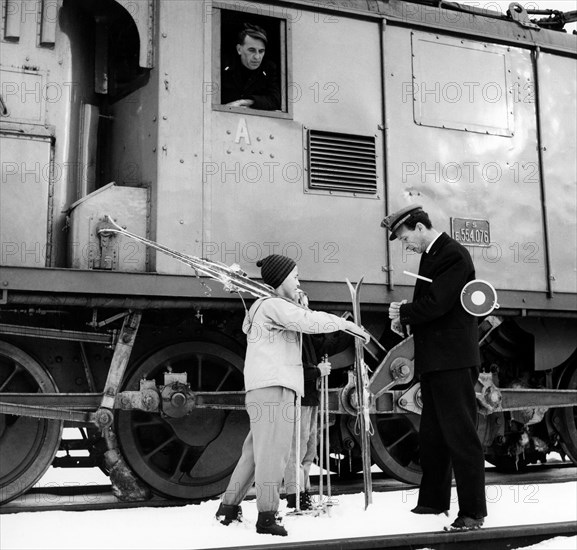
column 57, row 334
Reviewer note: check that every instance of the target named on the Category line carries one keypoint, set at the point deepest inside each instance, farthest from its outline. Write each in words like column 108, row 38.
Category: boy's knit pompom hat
column 275, row 269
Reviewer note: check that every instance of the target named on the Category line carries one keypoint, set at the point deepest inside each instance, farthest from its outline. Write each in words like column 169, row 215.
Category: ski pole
column 327, row 444
column 297, row 432
column 321, row 453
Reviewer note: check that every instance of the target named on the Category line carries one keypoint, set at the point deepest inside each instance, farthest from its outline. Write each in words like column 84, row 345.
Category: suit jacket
column 261, row 85
column 445, row 335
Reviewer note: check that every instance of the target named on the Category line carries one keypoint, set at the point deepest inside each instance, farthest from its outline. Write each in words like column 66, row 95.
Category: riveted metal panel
column 25, row 190
column 458, row 174
column 447, row 75
column 179, row 122
column 24, row 95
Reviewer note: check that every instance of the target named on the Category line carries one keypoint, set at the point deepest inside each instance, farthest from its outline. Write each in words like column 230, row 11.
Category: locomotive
column 112, row 108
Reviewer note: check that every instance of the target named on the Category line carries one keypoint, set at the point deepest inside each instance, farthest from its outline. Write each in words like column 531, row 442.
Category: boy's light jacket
column 273, row 327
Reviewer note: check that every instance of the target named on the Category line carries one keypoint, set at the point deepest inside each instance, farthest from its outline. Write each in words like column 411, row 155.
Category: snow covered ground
column 194, row 526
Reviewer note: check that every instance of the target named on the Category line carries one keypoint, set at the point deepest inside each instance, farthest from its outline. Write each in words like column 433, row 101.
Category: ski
column 232, row 278
column 363, row 422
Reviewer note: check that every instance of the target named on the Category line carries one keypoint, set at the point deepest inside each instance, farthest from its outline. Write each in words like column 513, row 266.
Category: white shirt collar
column 431, row 243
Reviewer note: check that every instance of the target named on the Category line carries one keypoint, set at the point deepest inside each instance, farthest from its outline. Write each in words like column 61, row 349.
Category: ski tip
column 108, row 218
column 352, row 286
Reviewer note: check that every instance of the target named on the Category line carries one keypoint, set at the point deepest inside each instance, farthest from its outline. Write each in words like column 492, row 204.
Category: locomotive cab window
column 250, row 68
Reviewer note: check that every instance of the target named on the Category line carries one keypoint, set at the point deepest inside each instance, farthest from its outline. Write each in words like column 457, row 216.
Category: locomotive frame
column 103, row 334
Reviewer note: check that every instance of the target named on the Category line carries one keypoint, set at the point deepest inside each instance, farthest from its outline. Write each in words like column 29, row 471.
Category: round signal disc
column 479, row 298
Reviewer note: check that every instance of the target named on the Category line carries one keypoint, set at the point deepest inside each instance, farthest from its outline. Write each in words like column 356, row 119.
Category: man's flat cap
column 256, row 32
column 393, row 221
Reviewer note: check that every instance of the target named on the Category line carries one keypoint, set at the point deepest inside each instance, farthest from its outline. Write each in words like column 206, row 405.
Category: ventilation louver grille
column 342, row 162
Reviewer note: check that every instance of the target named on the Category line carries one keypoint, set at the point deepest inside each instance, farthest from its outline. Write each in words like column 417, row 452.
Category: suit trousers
column 266, row 449
column 308, row 448
column 449, row 441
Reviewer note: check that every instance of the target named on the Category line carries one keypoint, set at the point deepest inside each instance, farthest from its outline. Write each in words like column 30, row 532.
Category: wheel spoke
column 179, row 473
column 17, row 368
column 397, row 441
column 159, row 447
column 149, row 420
column 230, row 369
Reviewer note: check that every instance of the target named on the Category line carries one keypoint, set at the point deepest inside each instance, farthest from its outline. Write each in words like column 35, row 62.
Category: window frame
column 285, row 68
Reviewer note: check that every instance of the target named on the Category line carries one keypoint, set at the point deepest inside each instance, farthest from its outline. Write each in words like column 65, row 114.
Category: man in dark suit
column 249, row 80
column 447, row 360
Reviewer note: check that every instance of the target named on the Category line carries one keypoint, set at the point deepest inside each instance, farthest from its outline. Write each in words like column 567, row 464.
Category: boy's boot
column 306, row 501
column 291, row 500
column 227, row 513
column 269, row 524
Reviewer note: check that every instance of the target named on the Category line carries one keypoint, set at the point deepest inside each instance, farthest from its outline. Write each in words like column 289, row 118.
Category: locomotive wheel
column 190, row 457
column 568, row 415
column 28, row 444
column 395, row 446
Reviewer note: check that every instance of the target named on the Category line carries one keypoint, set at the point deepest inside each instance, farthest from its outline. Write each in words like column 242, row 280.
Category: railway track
column 495, row 538
column 99, row 497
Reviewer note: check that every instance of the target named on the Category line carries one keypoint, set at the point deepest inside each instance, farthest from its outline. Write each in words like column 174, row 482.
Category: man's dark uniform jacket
column 260, row 85
column 445, row 335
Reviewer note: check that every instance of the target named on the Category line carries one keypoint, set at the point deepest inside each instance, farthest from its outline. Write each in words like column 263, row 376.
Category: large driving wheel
column 190, row 457
column 28, row 445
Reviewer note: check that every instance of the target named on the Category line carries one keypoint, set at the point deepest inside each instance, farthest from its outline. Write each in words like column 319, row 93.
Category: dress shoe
column 465, row 523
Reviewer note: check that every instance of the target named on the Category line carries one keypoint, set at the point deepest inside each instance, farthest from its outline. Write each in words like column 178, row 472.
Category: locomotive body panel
column 467, row 173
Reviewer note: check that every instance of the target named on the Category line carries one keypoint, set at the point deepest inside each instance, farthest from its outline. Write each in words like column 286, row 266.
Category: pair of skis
column 363, row 423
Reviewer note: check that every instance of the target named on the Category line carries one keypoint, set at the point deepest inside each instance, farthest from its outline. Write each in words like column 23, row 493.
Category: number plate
column 471, row 232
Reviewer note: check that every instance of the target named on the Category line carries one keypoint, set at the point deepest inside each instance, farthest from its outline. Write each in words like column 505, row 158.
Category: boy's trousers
column 266, row 449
